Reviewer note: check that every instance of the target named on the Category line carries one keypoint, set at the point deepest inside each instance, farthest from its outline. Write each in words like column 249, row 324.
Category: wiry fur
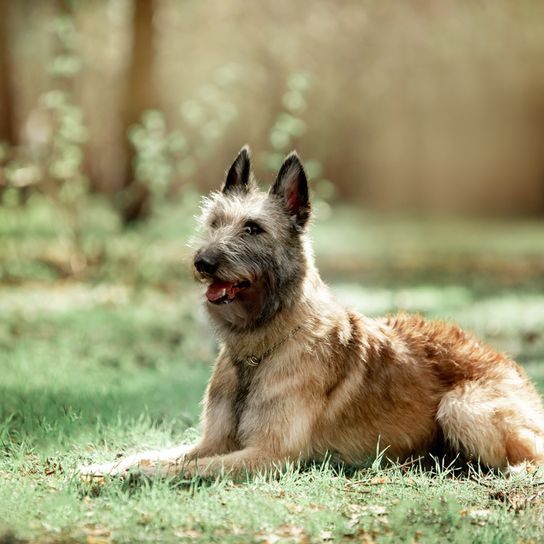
column 342, row 383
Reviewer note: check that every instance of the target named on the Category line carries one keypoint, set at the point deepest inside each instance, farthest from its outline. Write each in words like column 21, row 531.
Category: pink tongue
column 219, row 289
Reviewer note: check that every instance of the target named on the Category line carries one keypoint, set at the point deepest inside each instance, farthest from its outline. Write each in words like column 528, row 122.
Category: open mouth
column 224, row 292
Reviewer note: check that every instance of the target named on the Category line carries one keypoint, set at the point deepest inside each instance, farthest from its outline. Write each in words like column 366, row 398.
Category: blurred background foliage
column 419, row 122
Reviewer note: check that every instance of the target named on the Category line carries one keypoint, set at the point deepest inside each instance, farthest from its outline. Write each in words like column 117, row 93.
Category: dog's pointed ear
column 239, row 174
column 291, row 186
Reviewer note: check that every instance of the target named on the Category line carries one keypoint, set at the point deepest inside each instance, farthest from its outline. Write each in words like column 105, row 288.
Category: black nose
column 207, row 263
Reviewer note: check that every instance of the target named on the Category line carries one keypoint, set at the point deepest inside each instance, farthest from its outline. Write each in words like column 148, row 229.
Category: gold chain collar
column 255, row 360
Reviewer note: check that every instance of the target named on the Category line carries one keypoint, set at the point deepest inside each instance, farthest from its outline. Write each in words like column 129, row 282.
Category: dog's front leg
column 276, row 437
column 99, row 471
column 145, row 461
column 235, row 465
column 217, row 439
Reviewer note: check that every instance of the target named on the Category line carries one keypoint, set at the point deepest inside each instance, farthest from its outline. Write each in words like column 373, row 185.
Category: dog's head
column 252, row 250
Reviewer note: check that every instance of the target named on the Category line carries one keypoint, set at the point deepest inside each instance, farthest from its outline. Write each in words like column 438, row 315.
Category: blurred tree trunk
column 8, row 131
column 141, row 95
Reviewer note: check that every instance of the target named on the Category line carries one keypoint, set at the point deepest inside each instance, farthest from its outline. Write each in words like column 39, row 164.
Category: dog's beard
column 246, row 310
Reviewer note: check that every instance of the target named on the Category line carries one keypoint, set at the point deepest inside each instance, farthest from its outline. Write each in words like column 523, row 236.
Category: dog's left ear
column 291, row 186
column 239, row 174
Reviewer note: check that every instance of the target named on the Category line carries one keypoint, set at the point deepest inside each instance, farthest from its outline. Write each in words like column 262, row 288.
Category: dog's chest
column 255, row 401
column 245, row 385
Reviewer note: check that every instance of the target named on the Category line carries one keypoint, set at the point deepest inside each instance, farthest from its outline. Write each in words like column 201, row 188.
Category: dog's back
column 406, row 383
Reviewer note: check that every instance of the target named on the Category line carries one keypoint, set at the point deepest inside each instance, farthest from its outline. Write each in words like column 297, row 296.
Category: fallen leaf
column 283, row 533
column 189, row 533
column 295, row 508
column 377, row 510
column 518, row 500
column 98, row 539
column 52, row 467
column 479, row 517
column 98, row 535
column 354, row 520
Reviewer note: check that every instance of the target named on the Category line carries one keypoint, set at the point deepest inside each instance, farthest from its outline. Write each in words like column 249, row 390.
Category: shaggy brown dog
column 299, row 377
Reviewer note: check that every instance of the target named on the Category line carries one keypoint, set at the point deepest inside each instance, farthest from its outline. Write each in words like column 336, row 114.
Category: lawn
column 115, row 358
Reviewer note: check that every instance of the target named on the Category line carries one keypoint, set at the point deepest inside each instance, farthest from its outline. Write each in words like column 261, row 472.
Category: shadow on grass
column 63, row 417
column 10, row 538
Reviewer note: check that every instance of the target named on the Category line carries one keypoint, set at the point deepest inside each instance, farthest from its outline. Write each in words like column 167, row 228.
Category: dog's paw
column 150, row 464
column 99, row 473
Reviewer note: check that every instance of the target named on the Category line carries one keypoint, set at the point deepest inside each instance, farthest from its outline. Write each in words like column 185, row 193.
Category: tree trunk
column 8, row 131
column 141, row 95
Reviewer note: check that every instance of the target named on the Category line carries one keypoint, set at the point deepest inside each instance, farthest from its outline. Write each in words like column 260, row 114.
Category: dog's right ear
column 239, row 174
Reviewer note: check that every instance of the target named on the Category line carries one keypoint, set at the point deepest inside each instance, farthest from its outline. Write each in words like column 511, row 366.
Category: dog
column 299, row 377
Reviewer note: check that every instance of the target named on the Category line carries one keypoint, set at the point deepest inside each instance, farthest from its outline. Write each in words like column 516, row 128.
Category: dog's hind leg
column 498, row 422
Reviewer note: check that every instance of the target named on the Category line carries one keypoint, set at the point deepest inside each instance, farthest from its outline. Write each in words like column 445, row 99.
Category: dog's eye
column 252, row 228
column 214, row 224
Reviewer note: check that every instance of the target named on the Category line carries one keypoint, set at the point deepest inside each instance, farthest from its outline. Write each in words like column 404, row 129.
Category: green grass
column 117, row 361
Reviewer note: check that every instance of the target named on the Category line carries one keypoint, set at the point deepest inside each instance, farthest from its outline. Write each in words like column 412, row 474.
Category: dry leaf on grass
column 358, row 511
column 519, row 500
column 477, row 516
column 98, row 539
column 283, row 533
column 98, row 535
column 52, row 467
column 299, row 508
column 189, row 533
